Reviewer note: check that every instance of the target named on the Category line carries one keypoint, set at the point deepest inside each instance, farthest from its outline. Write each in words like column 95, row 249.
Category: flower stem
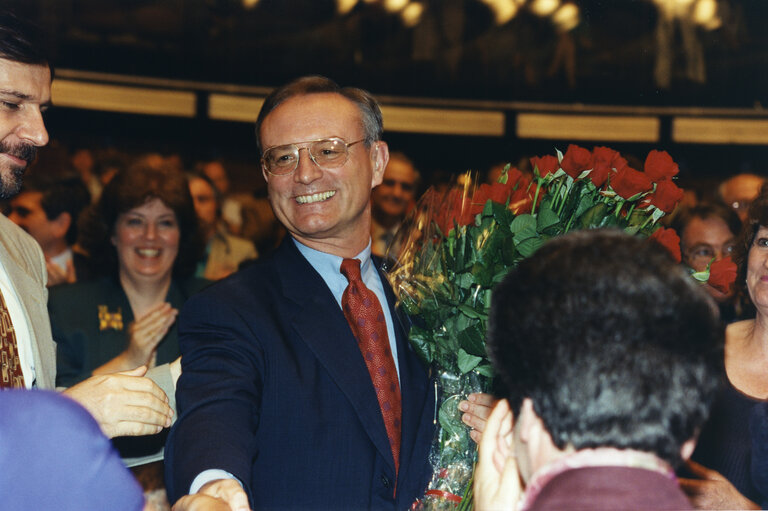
column 536, row 197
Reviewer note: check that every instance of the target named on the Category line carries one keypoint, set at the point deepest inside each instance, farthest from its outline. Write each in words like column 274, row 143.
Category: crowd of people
column 237, row 359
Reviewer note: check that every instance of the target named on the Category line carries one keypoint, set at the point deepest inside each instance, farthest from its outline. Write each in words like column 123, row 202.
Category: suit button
column 385, row 481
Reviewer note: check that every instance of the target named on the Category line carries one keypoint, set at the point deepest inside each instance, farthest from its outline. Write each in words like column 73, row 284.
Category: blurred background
column 464, row 83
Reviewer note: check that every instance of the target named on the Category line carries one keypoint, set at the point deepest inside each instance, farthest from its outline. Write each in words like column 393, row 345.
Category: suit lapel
column 319, row 322
column 14, row 256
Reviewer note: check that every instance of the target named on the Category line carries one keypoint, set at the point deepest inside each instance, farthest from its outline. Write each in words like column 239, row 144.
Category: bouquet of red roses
column 460, row 244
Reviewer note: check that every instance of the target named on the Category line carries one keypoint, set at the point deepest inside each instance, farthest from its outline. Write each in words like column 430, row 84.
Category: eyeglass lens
column 327, row 153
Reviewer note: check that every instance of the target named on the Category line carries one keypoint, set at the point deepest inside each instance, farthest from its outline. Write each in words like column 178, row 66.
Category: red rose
column 497, row 192
column 660, row 166
column 600, row 173
column 722, row 274
column 546, row 164
column 666, row 196
column 513, row 176
column 576, row 160
column 602, row 154
column 449, row 208
column 628, row 182
column 668, row 239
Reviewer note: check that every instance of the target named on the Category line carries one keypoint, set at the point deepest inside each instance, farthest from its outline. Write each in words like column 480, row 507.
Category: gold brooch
column 110, row 320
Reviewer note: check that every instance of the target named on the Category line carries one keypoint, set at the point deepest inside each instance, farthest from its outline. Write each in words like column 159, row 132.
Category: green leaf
column 528, row 247
column 465, row 280
column 483, row 275
column 470, row 312
column 594, row 216
column 467, row 362
column 422, row 342
column 472, row 341
column 485, row 370
column 546, row 217
column 501, row 213
column 523, row 227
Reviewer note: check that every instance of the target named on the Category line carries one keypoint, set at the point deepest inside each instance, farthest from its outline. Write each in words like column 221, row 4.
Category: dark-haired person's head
column 143, row 223
column 708, row 232
column 753, row 234
column 610, row 343
column 25, row 93
column 48, row 208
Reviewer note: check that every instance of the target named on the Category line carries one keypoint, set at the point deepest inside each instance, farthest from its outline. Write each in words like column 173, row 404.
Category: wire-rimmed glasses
column 326, row 153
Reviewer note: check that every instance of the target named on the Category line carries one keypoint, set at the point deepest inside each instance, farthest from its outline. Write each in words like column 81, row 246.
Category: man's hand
column 477, row 408
column 124, row 404
column 712, row 491
column 217, row 495
column 56, row 275
column 497, row 480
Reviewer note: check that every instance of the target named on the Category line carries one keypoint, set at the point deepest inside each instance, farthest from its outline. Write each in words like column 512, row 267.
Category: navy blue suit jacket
column 275, row 391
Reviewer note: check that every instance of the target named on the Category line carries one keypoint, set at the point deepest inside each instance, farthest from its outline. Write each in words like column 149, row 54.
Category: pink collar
column 600, row 457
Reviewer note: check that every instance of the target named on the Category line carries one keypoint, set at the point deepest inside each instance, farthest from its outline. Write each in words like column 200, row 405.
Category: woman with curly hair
column 142, row 237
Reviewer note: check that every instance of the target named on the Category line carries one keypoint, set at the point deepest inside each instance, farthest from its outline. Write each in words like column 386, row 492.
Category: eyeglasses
column 327, row 153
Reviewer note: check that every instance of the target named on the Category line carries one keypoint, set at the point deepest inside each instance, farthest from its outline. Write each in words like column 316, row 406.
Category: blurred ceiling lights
column 701, row 12
column 503, row 10
column 543, row 8
column 411, row 14
column 564, row 15
column 395, row 5
column 567, row 17
column 344, row 6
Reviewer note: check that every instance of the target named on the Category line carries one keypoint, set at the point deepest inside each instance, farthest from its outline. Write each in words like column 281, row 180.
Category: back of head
column 21, row 41
column 369, row 107
column 613, row 342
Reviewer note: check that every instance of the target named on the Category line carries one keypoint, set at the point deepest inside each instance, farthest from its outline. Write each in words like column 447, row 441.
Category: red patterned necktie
column 366, row 318
column 12, row 376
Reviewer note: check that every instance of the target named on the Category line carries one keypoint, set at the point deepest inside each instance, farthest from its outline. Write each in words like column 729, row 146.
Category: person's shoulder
column 194, row 285
column 238, row 242
column 21, row 246
column 81, row 290
column 44, row 407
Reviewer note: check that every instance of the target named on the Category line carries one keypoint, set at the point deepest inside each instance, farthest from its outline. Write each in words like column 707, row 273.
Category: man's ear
column 687, row 449
column 379, row 160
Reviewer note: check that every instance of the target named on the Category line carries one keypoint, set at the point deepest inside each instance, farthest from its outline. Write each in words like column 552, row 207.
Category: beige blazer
column 23, row 259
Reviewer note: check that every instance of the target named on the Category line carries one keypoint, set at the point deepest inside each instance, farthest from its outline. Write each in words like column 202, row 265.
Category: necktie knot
column 350, row 268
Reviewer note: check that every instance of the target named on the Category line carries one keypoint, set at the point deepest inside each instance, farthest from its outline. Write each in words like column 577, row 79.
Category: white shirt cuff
column 206, row 476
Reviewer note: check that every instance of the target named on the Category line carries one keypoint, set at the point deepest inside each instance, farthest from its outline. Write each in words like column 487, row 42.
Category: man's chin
column 11, row 180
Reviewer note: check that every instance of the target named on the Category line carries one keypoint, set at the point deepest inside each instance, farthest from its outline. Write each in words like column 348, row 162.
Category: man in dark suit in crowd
column 48, row 208
column 610, row 356
column 277, row 403
column 123, row 403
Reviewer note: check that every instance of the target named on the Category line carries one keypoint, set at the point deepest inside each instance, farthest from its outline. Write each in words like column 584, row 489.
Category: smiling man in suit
column 282, row 403
column 124, row 403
